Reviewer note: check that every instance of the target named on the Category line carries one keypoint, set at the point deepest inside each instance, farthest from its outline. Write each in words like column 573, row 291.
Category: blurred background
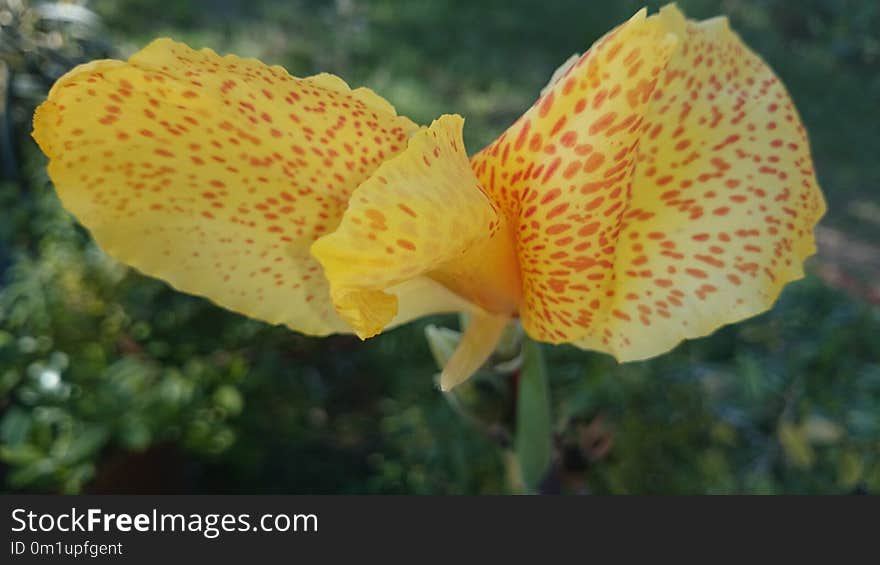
column 112, row 382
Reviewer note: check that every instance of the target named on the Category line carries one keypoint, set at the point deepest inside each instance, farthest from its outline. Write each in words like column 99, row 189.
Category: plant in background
column 65, row 397
column 37, row 45
column 659, row 188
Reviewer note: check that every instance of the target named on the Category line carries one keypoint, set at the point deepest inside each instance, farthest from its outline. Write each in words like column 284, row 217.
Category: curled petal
column 214, row 173
column 421, row 215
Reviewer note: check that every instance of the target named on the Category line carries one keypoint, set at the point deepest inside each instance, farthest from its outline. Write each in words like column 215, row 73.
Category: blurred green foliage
column 112, row 382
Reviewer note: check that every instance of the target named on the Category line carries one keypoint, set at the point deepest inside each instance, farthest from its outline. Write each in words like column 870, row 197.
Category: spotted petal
column 216, row 174
column 563, row 175
column 699, row 222
column 725, row 198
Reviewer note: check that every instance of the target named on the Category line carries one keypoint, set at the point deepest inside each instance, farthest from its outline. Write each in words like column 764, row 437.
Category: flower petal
column 421, row 215
column 714, row 209
column 216, row 173
column 724, row 199
column 562, row 174
column 476, row 346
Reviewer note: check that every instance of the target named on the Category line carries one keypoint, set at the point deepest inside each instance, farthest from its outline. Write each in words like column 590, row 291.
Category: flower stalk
column 533, row 442
column 518, row 371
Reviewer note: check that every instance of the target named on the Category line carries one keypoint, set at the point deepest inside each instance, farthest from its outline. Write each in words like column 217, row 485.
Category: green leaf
column 534, row 436
column 795, row 445
column 14, row 427
column 89, row 439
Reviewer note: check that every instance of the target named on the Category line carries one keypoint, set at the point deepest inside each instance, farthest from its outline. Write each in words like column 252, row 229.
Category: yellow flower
column 659, row 188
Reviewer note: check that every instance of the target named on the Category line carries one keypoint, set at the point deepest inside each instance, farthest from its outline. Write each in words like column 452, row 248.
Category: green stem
column 534, row 434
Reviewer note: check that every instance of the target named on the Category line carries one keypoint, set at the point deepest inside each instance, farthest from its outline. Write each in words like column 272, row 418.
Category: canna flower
column 659, row 188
